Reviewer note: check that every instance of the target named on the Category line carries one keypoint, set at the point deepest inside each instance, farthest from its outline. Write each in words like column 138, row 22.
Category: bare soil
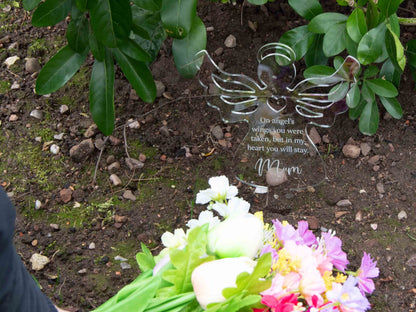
column 81, row 277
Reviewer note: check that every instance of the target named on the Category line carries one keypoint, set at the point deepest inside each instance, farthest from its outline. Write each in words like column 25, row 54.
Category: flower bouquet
column 232, row 261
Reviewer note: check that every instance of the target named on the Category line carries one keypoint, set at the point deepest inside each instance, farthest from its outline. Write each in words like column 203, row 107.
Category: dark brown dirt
column 167, row 185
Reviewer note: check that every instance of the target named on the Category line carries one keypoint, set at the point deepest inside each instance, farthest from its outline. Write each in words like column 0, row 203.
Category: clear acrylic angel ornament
column 278, row 150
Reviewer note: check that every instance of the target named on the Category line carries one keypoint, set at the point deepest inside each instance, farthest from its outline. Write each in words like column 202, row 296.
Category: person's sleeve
column 18, row 290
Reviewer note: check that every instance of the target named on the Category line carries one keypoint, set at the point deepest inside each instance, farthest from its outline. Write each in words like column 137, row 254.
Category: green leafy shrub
column 123, row 31
column 371, row 34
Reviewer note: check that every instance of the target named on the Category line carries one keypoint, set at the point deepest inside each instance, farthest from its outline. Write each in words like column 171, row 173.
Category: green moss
column 136, row 147
column 38, row 47
column 4, row 86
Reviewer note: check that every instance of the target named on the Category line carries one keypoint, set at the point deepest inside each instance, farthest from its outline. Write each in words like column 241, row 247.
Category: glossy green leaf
column 138, row 74
column 81, row 5
column 150, row 23
column 29, row 5
column 318, row 71
column 338, row 92
column 102, row 94
column 382, row 87
column 321, row 23
column 97, row 49
column 51, row 12
column 388, row 7
column 111, row 20
column 308, row 9
column 393, row 21
column 60, row 68
column 356, row 25
column 258, row 2
column 177, row 17
column 342, row 2
column 353, row 97
column 338, row 61
column 133, row 50
column 370, row 71
column 390, row 73
column 369, row 118
column 77, row 34
column 371, row 45
column 395, row 49
column 151, row 5
column 362, row 2
column 392, row 106
column 372, row 15
column 315, row 54
column 334, row 40
column 355, row 112
column 351, row 46
column 184, row 50
column 299, row 39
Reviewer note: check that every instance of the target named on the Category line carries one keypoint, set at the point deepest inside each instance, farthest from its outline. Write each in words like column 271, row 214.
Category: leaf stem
column 407, row 21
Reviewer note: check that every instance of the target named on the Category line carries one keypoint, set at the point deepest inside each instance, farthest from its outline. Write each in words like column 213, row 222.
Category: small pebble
column 115, row 180
column 275, row 176
column 91, row 246
column 38, row 204
column 11, row 61
column 230, row 41
column 344, row 203
column 82, row 271
column 374, row 226
column 54, row 149
column 38, row 261
column 63, row 109
column 13, row 117
column 120, row 258
column 15, row 86
column 54, row 226
column 129, row 195
column 359, row 216
column 351, row 151
column 125, row 266
column 380, row 188
column 402, row 215
column 59, row 136
column 217, row 132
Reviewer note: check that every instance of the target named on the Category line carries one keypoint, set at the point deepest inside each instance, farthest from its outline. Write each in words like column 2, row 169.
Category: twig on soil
column 412, row 237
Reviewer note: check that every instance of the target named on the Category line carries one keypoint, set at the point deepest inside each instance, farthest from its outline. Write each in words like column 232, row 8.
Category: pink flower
column 312, row 286
column 334, row 252
column 366, row 272
column 307, row 236
column 284, row 304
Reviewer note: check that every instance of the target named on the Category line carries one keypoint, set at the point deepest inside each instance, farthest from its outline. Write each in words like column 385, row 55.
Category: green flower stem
column 171, row 303
column 407, row 21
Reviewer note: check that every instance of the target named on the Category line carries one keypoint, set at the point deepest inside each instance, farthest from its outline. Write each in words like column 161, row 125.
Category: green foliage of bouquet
column 236, row 263
column 129, row 33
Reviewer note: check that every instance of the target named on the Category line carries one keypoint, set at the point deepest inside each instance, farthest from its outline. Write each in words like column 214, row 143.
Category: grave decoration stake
column 278, row 149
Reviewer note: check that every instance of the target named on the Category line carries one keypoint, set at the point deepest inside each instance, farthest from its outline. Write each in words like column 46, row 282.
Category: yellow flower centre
column 286, row 264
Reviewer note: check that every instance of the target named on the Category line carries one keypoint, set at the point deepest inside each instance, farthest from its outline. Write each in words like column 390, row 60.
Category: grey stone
column 82, row 150
column 129, row 195
column 344, row 203
column 365, row 149
column 54, row 149
column 90, row 132
column 11, row 60
column 402, row 215
column 59, row 136
column 15, row 86
column 82, row 271
column 314, row 135
column 13, row 117
column 115, row 166
column 412, row 261
column 134, row 164
column 63, row 109
column 160, row 88
column 32, row 65
column 351, row 151
column 36, row 114
column 38, row 261
column 115, row 180
column 125, row 266
column 54, row 226
column 110, row 159
column 230, row 41
column 219, row 51
column 374, row 160
column 217, row 132
column 164, row 130
column 275, row 176
column 120, row 258
column 380, row 188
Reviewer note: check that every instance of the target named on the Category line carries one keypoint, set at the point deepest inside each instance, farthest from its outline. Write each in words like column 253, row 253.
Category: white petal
column 232, row 191
column 222, row 209
column 204, row 196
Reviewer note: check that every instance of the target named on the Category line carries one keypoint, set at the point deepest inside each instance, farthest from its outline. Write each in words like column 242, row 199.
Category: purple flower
column 366, row 272
column 302, row 236
column 273, row 251
column 334, row 252
column 307, row 236
column 348, row 296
